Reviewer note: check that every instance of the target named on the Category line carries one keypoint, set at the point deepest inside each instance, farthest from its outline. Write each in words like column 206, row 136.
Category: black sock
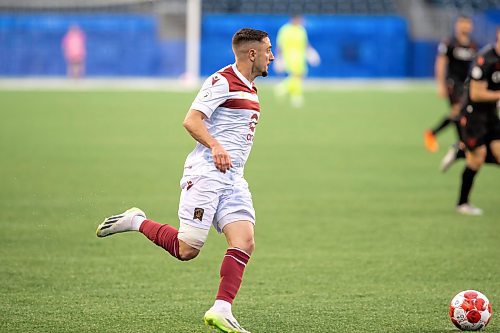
column 457, row 125
column 467, row 180
column 446, row 121
column 460, row 153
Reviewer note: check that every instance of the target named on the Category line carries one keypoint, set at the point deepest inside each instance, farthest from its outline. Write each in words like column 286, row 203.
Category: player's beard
column 264, row 74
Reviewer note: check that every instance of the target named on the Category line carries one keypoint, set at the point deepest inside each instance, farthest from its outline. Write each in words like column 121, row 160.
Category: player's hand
column 221, row 158
column 442, row 91
column 313, row 57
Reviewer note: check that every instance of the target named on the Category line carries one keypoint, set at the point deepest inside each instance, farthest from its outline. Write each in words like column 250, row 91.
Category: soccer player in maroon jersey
column 222, row 119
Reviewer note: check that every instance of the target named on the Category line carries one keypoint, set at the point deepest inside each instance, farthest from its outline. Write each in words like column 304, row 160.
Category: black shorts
column 455, row 90
column 479, row 127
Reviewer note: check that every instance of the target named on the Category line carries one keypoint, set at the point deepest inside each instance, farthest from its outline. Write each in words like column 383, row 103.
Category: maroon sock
column 162, row 235
column 231, row 274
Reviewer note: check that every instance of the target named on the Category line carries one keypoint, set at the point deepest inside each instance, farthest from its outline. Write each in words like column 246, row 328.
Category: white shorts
column 209, row 201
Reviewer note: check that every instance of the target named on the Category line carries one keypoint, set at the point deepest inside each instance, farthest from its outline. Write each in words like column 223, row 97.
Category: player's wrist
column 212, row 144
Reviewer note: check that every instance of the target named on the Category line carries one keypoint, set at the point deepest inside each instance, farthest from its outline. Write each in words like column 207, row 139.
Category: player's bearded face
column 264, row 57
column 464, row 27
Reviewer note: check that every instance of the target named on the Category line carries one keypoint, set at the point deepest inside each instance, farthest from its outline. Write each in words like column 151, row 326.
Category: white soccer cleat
column 119, row 223
column 468, row 209
column 223, row 322
column 449, row 159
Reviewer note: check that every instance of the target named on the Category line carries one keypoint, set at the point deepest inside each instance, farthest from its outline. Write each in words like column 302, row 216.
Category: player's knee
column 495, row 150
column 246, row 244
column 191, row 240
column 187, row 253
column 476, row 159
column 455, row 111
column 250, row 247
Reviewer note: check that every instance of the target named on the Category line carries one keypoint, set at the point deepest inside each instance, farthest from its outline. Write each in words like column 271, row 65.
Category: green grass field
column 356, row 229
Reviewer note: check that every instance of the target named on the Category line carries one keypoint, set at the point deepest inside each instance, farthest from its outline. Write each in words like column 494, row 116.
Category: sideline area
column 153, row 84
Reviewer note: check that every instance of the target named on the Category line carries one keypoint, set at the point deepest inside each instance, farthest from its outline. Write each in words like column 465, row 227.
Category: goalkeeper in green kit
column 294, row 52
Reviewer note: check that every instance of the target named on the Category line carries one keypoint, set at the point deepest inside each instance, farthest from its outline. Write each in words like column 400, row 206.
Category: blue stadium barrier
column 350, row 46
column 117, row 45
column 128, row 45
column 423, row 56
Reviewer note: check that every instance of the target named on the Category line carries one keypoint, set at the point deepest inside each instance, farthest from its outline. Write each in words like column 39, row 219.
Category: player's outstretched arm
column 194, row 124
column 440, row 74
column 479, row 92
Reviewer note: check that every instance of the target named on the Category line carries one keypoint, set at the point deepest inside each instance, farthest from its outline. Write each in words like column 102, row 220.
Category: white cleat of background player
column 468, row 209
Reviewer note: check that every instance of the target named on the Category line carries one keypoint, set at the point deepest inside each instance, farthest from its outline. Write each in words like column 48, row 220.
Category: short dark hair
column 464, row 17
column 248, row 35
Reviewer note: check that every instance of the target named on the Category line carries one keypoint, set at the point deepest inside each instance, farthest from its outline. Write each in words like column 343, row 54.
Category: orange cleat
column 430, row 141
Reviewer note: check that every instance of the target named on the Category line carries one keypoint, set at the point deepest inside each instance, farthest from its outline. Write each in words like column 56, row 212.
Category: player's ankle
column 136, row 222
column 222, row 306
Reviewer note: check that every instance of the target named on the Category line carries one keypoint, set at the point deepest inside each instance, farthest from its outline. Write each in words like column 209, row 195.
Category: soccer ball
column 470, row 310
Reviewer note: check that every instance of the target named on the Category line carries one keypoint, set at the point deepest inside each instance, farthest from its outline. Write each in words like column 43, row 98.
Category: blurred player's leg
column 430, row 141
column 442, row 125
column 295, row 89
column 475, row 160
column 451, row 156
column 457, row 152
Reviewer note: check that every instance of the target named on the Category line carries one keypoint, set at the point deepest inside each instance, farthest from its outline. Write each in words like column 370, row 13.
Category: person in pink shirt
column 73, row 45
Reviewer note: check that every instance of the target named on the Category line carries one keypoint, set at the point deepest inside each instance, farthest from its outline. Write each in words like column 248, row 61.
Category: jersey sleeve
column 443, row 48
column 213, row 93
column 480, row 69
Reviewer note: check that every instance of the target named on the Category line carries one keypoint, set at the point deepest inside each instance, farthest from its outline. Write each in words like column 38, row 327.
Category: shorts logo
column 476, row 73
column 198, row 214
column 189, row 185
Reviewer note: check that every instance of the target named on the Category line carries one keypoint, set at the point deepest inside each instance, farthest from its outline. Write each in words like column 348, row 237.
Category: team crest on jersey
column 476, row 73
column 198, row 214
column 205, row 95
column 495, row 77
column 463, row 53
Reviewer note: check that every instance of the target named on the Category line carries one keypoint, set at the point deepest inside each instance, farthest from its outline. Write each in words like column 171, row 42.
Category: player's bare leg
column 495, row 150
column 457, row 152
column 475, row 159
column 296, row 91
column 240, row 238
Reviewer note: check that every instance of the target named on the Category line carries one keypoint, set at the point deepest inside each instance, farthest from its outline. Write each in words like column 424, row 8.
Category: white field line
column 173, row 85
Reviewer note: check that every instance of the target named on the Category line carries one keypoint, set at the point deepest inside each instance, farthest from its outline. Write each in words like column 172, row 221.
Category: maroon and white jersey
column 231, row 105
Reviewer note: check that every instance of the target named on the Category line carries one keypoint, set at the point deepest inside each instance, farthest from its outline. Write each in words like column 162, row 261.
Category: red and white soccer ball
column 470, row 310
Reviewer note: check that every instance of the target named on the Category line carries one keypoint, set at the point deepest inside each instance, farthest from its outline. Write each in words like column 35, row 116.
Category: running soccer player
column 451, row 67
column 222, row 119
column 294, row 51
column 480, row 122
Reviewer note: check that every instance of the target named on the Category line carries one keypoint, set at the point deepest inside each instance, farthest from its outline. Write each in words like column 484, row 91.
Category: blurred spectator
column 293, row 54
column 73, row 45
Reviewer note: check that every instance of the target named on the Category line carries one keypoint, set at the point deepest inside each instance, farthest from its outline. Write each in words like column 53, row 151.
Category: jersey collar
column 241, row 77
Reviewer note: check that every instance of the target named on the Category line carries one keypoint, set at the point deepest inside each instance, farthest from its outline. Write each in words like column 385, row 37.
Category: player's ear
column 252, row 53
